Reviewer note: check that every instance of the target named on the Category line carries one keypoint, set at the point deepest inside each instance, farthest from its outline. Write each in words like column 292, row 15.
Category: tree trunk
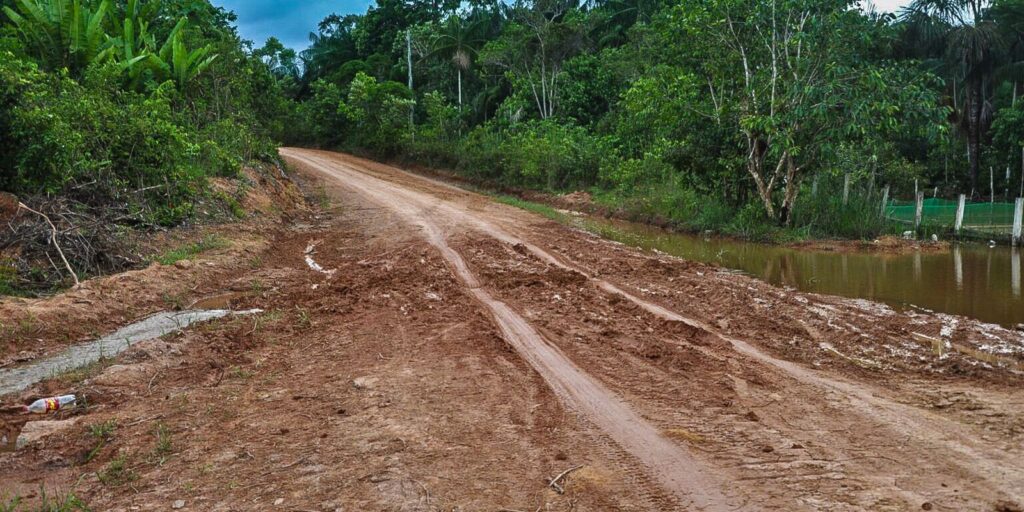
column 974, row 108
column 460, row 88
column 792, row 190
column 755, row 166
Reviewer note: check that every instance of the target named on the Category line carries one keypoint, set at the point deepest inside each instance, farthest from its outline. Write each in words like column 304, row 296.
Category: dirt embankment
column 882, row 245
column 196, row 259
column 424, row 348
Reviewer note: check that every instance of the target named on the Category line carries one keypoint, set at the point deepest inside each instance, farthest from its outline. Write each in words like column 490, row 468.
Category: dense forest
column 742, row 116
column 113, row 115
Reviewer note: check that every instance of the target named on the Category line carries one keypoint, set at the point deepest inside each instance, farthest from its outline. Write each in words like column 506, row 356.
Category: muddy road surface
column 426, row 348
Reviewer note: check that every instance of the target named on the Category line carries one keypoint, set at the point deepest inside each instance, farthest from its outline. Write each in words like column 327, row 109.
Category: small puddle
column 13, row 380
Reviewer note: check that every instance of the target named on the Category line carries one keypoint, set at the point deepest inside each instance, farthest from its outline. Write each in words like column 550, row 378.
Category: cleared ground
column 425, row 348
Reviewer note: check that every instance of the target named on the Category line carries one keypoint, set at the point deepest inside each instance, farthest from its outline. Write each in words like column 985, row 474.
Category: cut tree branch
column 53, row 239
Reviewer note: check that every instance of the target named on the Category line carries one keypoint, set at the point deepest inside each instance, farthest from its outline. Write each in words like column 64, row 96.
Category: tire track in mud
column 994, row 469
column 696, row 485
column 988, row 466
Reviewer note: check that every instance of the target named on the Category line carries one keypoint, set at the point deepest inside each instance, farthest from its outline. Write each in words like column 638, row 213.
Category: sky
column 291, row 21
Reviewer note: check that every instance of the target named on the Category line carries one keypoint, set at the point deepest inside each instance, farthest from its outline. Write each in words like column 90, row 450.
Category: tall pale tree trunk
column 974, row 108
column 792, row 189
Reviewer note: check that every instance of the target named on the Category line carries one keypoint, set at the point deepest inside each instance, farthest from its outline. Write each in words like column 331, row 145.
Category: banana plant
column 176, row 62
column 132, row 47
column 62, row 33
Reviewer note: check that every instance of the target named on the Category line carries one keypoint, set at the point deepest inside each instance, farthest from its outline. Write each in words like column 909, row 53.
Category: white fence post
column 960, row 213
column 919, row 211
column 885, row 199
column 1018, row 213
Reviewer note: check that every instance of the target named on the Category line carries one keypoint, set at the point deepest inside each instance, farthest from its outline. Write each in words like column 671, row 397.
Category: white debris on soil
column 1001, row 341
column 875, row 308
column 364, row 382
column 310, row 250
column 949, row 325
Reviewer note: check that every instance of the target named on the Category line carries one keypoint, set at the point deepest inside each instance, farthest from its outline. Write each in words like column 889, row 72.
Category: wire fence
column 990, row 218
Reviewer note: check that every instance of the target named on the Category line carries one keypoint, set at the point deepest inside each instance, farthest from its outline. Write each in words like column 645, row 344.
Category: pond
column 972, row 280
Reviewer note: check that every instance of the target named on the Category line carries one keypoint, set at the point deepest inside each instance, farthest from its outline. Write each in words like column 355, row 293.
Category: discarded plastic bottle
column 45, row 405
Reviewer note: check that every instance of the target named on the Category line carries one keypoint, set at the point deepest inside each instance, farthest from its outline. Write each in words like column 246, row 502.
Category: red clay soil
column 424, row 348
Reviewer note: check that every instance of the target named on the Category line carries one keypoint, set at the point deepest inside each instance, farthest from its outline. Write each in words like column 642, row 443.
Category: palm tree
column 458, row 43
column 62, row 33
column 968, row 39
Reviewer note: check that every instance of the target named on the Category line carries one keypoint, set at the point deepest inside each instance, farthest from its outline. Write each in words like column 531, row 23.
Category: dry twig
column 554, row 481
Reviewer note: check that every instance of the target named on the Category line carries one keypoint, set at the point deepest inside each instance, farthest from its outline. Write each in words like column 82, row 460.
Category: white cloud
column 887, row 5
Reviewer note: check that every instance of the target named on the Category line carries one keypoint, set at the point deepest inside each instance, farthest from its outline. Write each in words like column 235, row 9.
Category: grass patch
column 102, row 432
column 208, row 243
column 232, row 204
column 303, row 319
column 75, row 376
column 59, row 503
column 530, row 206
column 117, row 472
column 164, row 445
column 321, row 198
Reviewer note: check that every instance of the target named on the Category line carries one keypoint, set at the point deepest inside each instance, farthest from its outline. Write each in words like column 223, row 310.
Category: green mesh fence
column 983, row 216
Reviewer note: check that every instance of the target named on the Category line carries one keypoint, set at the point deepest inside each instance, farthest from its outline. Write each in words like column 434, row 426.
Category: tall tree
column 789, row 75
column 458, row 42
column 534, row 46
column 965, row 35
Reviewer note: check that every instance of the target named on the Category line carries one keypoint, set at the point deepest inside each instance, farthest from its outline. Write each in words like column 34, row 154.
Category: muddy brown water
column 970, row 279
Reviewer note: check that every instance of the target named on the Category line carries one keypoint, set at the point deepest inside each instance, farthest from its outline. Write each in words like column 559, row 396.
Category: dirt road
column 429, row 349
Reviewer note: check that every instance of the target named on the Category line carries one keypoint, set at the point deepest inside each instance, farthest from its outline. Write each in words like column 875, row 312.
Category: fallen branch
column 554, row 481
column 53, row 239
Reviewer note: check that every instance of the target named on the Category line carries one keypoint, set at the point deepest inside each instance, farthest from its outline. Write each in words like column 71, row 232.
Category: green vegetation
column 46, row 503
column 530, row 206
column 78, row 375
column 164, row 445
column 208, row 243
column 117, row 472
column 113, row 115
column 740, row 116
column 102, row 433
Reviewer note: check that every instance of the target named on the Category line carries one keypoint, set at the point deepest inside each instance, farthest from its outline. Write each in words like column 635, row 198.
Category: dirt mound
column 887, row 244
column 8, row 206
column 578, row 200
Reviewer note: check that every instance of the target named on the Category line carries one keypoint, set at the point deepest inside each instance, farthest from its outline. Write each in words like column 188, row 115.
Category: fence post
column 885, row 199
column 846, row 189
column 960, row 214
column 1018, row 213
column 919, row 210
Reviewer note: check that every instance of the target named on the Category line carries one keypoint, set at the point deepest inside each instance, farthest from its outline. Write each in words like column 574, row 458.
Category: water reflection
column 1015, row 271
column 970, row 280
